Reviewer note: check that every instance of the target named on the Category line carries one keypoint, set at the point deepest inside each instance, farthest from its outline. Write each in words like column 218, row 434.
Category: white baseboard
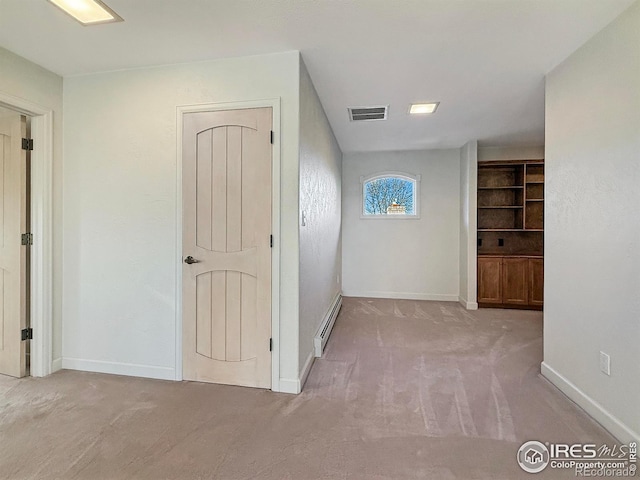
column 116, row 368
column 295, row 385
column 306, row 369
column 290, row 385
column 403, row 296
column 467, row 304
column 56, row 365
column 589, row 405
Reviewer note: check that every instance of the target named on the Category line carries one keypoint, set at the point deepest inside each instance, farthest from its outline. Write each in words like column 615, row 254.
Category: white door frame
column 41, row 271
column 274, row 103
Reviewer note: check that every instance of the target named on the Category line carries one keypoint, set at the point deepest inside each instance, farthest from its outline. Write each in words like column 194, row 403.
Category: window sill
column 389, row 217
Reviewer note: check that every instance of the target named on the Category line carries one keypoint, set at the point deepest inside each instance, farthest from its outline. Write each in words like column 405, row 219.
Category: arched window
column 390, row 195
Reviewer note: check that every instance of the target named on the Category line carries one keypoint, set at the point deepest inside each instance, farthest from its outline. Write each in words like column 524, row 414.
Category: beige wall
column 403, row 258
column 120, row 207
column 592, row 226
column 510, row 153
column 468, row 224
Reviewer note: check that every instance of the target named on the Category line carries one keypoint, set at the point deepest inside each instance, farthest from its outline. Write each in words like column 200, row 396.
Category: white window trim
column 405, row 176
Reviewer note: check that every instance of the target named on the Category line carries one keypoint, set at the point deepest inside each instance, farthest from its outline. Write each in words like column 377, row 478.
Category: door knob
column 190, row 260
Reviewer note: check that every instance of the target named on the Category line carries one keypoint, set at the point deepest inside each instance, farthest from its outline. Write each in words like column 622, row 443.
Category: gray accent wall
column 320, row 203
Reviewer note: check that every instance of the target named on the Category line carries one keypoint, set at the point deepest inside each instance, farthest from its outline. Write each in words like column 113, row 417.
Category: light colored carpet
column 406, row 390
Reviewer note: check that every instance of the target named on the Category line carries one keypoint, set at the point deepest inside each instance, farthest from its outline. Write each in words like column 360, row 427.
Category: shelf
column 509, row 255
column 510, row 214
column 510, row 230
column 494, row 207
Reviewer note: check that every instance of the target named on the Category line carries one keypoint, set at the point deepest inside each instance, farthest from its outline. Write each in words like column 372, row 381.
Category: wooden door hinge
column 271, row 344
column 26, row 334
column 26, row 239
column 27, row 144
column 271, row 137
column 271, row 241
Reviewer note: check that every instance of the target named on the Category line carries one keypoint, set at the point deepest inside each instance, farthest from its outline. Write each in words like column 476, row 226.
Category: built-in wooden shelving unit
column 510, row 233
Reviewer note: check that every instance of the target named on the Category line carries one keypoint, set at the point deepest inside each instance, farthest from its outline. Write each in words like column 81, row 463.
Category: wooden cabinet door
column 536, row 281
column 490, row 280
column 515, row 281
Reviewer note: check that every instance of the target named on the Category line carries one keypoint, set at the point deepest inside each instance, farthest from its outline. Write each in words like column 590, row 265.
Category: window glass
column 389, row 195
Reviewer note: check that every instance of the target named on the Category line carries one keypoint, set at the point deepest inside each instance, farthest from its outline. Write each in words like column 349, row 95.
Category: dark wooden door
column 515, row 281
column 490, row 280
column 536, row 281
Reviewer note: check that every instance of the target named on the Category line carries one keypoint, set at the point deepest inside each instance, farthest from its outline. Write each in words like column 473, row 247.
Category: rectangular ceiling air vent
column 360, row 114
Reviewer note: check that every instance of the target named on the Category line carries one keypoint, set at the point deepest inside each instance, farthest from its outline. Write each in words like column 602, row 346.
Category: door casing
column 41, row 272
column 274, row 103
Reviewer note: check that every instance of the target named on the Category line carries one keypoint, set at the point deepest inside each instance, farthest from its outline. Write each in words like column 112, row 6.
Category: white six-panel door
column 227, row 159
column 13, row 222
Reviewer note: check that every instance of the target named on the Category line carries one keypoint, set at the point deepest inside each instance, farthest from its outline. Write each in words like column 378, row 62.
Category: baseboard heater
column 320, row 340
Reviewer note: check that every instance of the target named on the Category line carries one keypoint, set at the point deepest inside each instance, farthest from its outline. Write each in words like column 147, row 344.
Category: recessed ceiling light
column 417, row 108
column 88, row 12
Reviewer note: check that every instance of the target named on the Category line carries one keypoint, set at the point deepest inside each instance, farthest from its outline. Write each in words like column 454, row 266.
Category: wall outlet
column 605, row 363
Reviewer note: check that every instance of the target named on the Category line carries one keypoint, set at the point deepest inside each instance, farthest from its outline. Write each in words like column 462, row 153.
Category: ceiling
column 483, row 60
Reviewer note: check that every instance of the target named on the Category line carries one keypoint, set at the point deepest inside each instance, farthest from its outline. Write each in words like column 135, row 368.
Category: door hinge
column 27, row 239
column 271, row 241
column 271, row 344
column 26, row 334
column 27, row 144
column 271, row 137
